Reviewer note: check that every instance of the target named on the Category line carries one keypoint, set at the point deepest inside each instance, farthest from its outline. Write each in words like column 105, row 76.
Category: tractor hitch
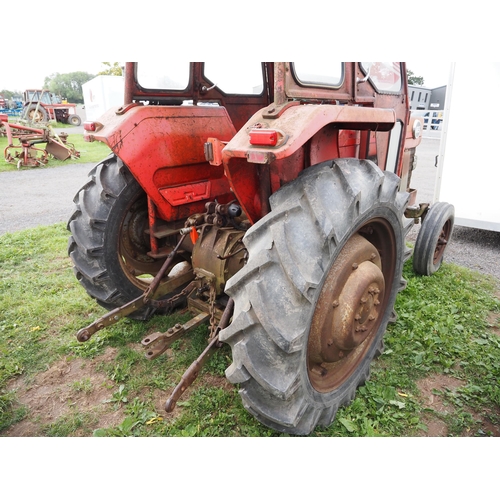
column 157, row 343
column 191, row 374
column 146, row 298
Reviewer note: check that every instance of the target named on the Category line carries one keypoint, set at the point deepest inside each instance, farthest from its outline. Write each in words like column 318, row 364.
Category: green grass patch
column 90, row 152
column 446, row 327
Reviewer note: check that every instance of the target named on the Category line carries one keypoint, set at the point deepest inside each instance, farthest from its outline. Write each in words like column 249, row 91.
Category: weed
column 84, row 386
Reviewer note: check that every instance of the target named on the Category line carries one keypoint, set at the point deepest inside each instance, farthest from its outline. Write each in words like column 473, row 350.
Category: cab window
column 385, row 76
column 164, row 76
column 318, row 73
column 236, row 78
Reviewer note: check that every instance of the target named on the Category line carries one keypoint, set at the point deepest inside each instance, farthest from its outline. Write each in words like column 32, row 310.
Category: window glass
column 318, row 73
column 236, row 78
column 385, row 76
column 164, row 75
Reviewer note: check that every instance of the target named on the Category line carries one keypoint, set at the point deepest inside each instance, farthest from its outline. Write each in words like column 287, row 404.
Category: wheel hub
column 357, row 310
column 347, row 314
column 443, row 238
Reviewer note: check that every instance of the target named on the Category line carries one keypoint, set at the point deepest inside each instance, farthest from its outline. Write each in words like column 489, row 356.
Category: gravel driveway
column 39, row 196
column 42, row 196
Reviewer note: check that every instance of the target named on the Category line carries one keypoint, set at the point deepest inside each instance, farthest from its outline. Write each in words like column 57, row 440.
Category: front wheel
column 316, row 295
column 433, row 238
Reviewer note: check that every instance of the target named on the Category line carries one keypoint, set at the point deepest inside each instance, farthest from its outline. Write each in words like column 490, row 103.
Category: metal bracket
column 157, row 343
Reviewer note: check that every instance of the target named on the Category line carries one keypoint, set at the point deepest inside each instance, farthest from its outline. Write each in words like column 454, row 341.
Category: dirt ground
column 59, row 392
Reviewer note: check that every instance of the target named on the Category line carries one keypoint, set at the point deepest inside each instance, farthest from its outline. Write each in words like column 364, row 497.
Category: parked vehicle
column 273, row 200
column 42, row 106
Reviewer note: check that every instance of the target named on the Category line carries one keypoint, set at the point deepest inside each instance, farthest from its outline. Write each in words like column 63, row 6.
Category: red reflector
column 193, row 235
column 89, row 126
column 263, row 137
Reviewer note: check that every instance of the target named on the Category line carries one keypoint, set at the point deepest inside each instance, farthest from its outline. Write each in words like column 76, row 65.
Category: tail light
column 264, row 137
column 92, row 126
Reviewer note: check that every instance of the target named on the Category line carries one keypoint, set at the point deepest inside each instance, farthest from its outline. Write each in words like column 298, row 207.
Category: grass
column 90, row 152
column 446, row 327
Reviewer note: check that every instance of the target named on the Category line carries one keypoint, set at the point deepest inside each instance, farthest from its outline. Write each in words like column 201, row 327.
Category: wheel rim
column 35, row 116
column 134, row 245
column 444, row 237
column 351, row 306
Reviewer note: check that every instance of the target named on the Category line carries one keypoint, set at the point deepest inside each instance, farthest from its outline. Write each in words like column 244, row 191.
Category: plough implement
column 26, row 153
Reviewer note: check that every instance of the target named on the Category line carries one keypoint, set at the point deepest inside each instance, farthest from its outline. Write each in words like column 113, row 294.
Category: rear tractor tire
column 108, row 245
column 433, row 238
column 315, row 297
column 35, row 115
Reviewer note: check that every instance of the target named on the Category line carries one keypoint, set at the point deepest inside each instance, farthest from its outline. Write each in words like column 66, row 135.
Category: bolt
column 177, row 326
column 335, row 303
column 354, row 265
column 170, row 330
column 116, row 317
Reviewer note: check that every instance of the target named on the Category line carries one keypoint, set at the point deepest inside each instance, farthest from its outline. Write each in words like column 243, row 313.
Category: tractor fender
column 299, row 123
column 255, row 171
column 163, row 147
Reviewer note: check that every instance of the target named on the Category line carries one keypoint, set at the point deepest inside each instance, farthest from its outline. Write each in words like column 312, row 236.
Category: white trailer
column 102, row 93
column 468, row 173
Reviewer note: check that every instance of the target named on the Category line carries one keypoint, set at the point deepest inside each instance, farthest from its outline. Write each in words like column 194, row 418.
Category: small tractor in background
column 40, row 106
column 273, row 200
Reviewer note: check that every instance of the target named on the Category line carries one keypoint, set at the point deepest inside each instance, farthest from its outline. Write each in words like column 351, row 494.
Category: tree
column 113, row 69
column 8, row 94
column 68, row 85
column 414, row 79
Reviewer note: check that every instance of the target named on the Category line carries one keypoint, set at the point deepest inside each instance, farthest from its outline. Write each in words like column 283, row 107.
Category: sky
column 32, row 75
column 435, row 74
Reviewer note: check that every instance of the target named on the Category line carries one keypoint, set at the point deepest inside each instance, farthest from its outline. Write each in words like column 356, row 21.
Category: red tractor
column 274, row 200
column 42, row 106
